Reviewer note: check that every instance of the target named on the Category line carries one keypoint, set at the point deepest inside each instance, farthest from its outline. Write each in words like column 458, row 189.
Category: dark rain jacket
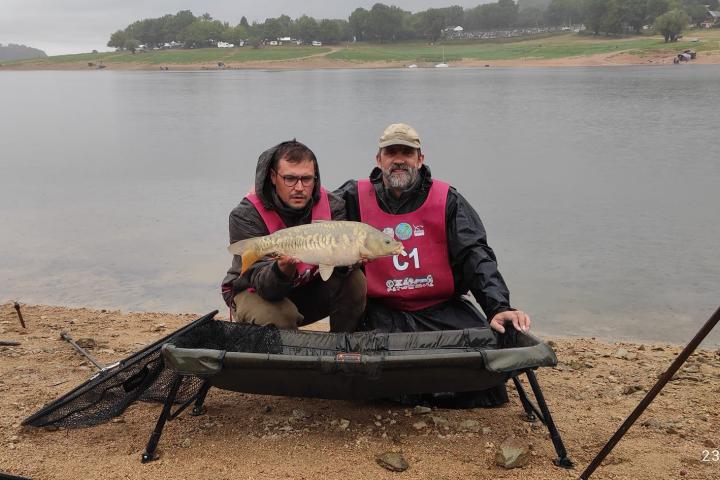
column 472, row 261
column 245, row 222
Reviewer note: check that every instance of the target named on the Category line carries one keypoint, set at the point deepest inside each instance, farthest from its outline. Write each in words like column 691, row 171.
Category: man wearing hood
column 446, row 257
column 279, row 291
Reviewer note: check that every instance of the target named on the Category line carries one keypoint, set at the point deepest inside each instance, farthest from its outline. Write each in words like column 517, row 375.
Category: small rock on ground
column 392, row 461
column 512, row 453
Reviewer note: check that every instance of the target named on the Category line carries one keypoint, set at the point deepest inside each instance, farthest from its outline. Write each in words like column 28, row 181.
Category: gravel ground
column 595, row 386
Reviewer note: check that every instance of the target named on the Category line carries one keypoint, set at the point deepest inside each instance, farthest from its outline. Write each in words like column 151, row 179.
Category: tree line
column 12, row 52
column 387, row 23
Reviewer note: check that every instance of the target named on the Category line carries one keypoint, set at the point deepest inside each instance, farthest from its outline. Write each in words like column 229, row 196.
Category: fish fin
column 325, row 271
column 248, row 258
column 246, row 249
column 364, row 252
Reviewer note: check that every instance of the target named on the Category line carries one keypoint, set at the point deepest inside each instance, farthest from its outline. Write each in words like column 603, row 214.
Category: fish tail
column 247, row 249
column 248, row 258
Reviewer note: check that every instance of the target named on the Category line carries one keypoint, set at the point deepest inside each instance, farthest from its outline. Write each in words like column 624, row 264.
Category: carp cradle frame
column 180, row 369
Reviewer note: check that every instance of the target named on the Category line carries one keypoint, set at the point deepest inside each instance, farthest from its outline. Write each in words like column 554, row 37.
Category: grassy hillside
column 200, row 55
column 550, row 47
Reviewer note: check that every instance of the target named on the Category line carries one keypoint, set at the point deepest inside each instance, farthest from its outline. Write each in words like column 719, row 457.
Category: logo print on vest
column 409, row 283
column 389, row 231
column 419, row 231
column 403, row 231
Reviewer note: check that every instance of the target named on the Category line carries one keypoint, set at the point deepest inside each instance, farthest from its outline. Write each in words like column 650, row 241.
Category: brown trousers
column 342, row 298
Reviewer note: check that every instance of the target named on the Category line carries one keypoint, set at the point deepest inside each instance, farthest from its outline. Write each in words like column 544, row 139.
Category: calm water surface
column 598, row 186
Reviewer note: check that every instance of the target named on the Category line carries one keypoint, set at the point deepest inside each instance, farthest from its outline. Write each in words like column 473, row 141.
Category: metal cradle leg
column 531, row 413
column 149, row 454
column 562, row 460
column 198, row 408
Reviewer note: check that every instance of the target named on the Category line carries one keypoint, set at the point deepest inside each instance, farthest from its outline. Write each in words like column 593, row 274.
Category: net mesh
column 143, row 376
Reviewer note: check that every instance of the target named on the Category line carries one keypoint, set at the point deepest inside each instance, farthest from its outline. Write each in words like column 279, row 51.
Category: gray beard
column 401, row 181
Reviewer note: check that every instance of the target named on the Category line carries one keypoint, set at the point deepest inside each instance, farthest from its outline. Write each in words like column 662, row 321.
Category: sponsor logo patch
column 403, row 231
column 418, row 230
column 409, row 283
column 389, row 231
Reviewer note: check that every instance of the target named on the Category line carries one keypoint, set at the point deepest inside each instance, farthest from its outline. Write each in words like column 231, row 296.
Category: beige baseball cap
column 399, row 134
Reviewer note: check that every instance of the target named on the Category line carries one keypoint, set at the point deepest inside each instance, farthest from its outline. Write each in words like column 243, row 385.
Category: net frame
column 141, row 376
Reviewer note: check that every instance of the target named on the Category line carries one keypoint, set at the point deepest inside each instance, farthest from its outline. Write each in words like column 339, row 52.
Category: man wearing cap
column 281, row 291
column 446, row 252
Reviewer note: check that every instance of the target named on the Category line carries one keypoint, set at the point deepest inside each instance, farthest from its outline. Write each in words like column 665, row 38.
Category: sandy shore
column 595, row 386
column 319, row 62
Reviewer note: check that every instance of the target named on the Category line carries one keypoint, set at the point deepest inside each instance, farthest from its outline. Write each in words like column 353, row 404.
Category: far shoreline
column 615, row 59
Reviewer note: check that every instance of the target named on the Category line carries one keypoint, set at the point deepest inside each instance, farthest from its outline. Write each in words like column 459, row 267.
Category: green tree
column 472, row 18
column 117, row 39
column 144, row 31
column 359, row 23
column 429, row 24
column 177, row 24
column 307, row 28
column 388, row 24
column 271, row 29
column 508, row 13
column 671, row 24
column 132, row 45
column 286, row 26
column 531, row 17
column 244, row 22
column 274, row 28
column 696, row 12
column 564, row 12
column 614, row 18
column 490, row 16
column 595, row 11
column 454, row 15
column 203, row 32
column 654, row 9
column 235, row 35
column 330, row 31
column 635, row 13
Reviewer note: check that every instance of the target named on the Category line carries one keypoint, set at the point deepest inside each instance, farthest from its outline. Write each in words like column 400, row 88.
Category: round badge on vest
column 403, row 231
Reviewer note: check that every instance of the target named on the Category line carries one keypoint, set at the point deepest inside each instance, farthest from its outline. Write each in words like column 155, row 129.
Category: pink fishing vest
column 422, row 277
column 273, row 222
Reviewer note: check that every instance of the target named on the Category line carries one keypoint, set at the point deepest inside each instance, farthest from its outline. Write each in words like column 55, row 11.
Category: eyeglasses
column 292, row 180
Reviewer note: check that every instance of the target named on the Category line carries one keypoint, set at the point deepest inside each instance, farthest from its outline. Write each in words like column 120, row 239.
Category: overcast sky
column 73, row 26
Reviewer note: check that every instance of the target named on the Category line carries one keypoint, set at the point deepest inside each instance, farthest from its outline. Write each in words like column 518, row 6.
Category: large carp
column 327, row 244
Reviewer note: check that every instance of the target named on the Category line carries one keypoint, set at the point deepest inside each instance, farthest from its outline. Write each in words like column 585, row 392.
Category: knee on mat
column 283, row 313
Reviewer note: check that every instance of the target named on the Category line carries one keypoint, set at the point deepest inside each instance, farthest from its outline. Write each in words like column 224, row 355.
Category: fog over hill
column 12, row 52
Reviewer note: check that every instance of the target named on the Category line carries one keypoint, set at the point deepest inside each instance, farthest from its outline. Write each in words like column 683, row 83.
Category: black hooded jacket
column 472, row 261
column 245, row 222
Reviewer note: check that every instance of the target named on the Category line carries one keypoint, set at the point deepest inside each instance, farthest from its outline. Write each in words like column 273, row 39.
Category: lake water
column 599, row 187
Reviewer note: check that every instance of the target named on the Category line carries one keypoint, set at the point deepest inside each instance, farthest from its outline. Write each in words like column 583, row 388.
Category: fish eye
column 387, row 241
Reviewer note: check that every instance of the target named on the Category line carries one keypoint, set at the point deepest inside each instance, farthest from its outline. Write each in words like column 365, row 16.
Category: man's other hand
column 286, row 265
column 519, row 319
